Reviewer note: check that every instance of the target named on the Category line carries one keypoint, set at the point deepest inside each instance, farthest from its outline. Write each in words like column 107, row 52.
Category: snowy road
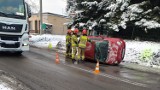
column 38, row 71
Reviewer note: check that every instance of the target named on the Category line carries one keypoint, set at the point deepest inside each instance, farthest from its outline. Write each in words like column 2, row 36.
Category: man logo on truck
column 8, row 28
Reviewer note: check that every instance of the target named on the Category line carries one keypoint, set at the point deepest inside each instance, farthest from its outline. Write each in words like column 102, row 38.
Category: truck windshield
column 12, row 9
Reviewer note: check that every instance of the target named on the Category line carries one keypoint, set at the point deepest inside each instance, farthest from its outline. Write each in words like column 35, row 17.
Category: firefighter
column 74, row 43
column 68, row 43
column 82, row 45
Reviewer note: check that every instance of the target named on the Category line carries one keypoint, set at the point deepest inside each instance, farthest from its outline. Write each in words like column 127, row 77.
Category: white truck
column 14, row 33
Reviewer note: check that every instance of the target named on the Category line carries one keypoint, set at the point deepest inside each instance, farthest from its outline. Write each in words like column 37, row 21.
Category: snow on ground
column 43, row 41
column 9, row 82
column 4, row 86
column 143, row 53
column 139, row 52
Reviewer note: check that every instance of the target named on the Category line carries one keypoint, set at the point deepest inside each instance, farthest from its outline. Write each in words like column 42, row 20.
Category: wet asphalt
column 38, row 71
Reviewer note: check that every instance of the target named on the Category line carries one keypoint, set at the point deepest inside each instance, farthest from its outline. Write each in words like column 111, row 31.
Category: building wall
column 57, row 21
column 32, row 22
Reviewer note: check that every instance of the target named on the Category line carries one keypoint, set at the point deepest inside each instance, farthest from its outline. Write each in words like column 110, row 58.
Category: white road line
column 111, row 77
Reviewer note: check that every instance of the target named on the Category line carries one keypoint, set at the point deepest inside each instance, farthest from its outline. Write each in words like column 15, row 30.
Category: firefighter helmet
column 76, row 31
column 69, row 31
column 84, row 32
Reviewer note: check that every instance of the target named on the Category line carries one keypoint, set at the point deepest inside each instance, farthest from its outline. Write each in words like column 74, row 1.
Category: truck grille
column 16, row 45
column 9, row 38
column 101, row 51
column 15, row 38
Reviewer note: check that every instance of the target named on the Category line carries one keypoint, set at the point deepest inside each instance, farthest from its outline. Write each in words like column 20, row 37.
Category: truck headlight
column 25, row 44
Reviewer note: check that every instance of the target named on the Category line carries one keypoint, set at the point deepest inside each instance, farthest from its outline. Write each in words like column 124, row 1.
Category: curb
column 140, row 68
column 53, row 49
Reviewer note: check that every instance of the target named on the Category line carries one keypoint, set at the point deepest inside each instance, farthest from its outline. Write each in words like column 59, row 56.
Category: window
column 36, row 26
column 12, row 8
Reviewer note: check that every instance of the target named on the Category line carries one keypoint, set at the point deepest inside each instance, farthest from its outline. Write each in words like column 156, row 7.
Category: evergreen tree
column 122, row 17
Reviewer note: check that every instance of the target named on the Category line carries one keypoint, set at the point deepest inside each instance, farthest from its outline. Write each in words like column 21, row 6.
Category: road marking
column 109, row 76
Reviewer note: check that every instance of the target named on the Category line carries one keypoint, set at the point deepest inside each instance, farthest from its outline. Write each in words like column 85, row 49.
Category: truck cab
column 14, row 33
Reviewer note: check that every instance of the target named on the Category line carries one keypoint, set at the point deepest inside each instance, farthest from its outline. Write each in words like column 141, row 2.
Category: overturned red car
column 106, row 50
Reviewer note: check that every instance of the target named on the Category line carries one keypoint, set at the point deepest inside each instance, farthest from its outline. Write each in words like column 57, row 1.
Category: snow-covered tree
column 119, row 15
column 34, row 5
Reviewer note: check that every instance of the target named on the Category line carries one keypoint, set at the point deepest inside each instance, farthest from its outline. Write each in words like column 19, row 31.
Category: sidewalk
column 140, row 68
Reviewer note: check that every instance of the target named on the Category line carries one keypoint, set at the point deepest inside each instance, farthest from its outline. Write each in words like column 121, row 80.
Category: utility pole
column 41, row 17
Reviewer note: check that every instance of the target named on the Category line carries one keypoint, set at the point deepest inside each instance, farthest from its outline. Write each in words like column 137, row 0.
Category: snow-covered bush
column 143, row 53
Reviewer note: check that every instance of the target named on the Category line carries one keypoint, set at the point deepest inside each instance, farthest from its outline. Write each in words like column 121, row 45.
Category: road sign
column 44, row 26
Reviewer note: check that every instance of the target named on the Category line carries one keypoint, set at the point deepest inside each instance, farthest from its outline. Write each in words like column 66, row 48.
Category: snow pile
column 4, row 86
column 143, row 53
column 43, row 41
column 9, row 82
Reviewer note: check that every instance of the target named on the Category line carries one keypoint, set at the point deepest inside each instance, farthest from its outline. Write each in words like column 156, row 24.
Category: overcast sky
column 52, row 6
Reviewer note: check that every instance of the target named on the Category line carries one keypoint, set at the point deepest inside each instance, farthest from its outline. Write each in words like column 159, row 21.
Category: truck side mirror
column 28, row 11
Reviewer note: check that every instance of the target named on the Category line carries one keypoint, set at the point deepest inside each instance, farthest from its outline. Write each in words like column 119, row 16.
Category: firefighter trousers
column 68, row 50
column 81, row 53
column 74, row 51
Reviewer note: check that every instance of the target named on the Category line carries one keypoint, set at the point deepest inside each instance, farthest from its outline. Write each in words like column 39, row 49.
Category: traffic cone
column 57, row 59
column 96, row 71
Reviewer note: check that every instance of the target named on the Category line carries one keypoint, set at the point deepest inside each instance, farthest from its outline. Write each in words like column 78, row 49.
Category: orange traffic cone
column 57, row 59
column 96, row 71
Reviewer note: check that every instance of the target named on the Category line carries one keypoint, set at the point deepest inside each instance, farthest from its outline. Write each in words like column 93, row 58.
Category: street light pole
column 41, row 19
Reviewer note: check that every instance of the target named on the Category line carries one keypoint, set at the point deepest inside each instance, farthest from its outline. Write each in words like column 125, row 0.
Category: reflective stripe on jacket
column 82, row 42
column 74, row 41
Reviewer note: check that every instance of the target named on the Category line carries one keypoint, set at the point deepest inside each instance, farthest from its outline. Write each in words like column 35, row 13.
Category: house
column 53, row 23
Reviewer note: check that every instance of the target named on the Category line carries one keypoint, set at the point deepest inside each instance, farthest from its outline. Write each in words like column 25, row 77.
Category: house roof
column 48, row 13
